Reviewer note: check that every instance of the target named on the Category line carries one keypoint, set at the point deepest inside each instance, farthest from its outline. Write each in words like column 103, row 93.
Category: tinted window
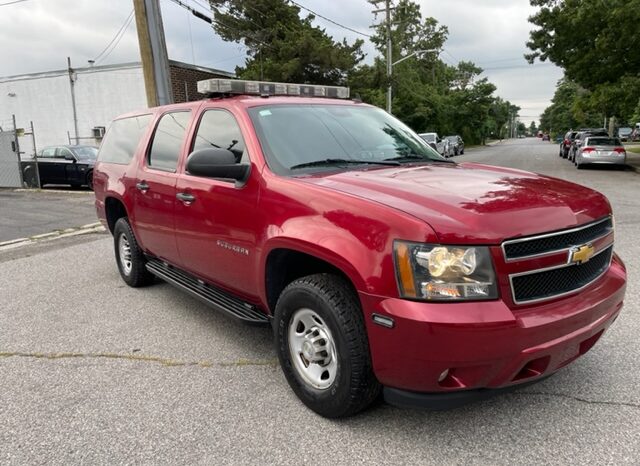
column 122, row 139
column 219, row 129
column 85, row 152
column 62, row 152
column 167, row 141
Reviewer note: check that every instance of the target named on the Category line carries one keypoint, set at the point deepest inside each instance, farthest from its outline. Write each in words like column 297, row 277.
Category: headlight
column 444, row 273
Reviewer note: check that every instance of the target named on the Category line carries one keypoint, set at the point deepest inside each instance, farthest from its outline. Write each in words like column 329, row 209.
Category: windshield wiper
column 402, row 158
column 330, row 161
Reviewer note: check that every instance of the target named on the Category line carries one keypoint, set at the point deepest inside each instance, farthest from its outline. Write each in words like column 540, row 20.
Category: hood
column 473, row 203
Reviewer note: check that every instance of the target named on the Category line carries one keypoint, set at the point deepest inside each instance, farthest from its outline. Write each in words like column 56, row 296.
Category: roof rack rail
column 224, row 87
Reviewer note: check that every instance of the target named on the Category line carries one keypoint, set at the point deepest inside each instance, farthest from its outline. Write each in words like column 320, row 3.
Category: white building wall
column 102, row 93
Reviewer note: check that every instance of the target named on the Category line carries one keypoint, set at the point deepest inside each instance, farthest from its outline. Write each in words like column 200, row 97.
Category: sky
column 38, row 35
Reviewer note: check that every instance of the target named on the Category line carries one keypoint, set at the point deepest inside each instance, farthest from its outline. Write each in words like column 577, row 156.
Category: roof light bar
column 236, row 86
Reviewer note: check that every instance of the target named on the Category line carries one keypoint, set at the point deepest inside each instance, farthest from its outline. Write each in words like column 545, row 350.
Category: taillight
column 567, row 142
column 588, row 149
column 620, row 150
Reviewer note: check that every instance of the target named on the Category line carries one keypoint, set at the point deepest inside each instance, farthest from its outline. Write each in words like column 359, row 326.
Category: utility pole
column 389, row 52
column 153, row 52
column 388, row 8
column 72, row 85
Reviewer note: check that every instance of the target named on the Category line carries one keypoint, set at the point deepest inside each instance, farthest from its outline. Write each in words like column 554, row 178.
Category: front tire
column 129, row 257
column 322, row 346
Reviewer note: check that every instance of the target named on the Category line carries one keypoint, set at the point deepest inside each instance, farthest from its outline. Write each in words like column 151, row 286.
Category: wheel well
column 114, row 210
column 286, row 265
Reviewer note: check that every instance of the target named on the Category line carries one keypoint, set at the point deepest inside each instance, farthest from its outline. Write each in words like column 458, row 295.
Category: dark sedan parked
column 565, row 144
column 71, row 165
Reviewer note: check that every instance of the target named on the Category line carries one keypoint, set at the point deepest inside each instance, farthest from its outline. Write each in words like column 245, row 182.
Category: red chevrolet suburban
column 381, row 266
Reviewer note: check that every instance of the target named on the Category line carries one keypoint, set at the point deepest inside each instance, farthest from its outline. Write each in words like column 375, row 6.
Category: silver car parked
column 600, row 149
column 442, row 146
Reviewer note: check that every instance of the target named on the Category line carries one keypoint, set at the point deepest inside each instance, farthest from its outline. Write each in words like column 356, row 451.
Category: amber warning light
column 236, row 86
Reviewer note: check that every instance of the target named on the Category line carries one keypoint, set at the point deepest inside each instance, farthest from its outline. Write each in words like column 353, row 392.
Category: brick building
column 184, row 79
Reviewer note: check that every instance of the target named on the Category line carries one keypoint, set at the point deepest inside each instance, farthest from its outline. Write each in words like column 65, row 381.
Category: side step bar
column 214, row 297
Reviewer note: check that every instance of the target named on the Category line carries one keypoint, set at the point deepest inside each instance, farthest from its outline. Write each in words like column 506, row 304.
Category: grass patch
column 634, row 149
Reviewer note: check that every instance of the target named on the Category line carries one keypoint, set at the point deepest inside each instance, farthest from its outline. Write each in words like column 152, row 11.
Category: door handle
column 142, row 186
column 186, row 198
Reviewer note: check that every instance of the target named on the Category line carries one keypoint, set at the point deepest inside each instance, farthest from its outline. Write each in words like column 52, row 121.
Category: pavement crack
column 167, row 362
column 580, row 399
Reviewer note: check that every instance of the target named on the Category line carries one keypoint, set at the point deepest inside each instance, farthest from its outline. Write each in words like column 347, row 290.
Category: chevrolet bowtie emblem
column 581, row 254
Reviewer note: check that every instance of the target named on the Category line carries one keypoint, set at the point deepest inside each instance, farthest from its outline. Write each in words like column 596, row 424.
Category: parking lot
column 27, row 213
column 96, row 372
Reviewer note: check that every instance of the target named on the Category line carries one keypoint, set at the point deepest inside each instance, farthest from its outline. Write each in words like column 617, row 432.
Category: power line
column 330, row 20
column 127, row 21
column 11, row 3
column 198, row 14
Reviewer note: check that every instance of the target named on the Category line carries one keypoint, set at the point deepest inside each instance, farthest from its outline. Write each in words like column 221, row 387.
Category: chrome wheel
column 312, row 349
column 124, row 249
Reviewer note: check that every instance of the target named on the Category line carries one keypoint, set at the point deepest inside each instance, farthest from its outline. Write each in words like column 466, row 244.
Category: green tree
column 594, row 41
column 428, row 94
column 571, row 108
column 281, row 46
column 533, row 129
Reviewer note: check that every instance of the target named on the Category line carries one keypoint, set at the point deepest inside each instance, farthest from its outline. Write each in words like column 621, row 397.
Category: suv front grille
column 545, row 284
column 543, row 244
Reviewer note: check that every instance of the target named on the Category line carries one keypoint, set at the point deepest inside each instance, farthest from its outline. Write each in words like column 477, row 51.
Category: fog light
column 443, row 375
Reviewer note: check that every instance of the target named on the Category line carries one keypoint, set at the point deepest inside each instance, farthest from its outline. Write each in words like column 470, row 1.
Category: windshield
column 452, row 138
column 300, row 138
column 85, row 152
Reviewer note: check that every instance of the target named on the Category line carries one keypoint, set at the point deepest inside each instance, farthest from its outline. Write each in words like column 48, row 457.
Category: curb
column 53, row 235
column 45, row 191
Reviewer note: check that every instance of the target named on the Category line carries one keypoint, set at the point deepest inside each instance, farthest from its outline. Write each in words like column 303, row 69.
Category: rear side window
column 219, row 129
column 48, row 153
column 122, row 139
column 167, row 141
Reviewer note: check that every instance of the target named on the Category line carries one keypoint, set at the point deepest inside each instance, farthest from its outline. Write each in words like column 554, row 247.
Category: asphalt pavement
column 92, row 371
column 27, row 213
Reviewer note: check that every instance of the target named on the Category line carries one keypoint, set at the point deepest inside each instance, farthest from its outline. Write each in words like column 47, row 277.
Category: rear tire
column 129, row 257
column 90, row 180
column 323, row 347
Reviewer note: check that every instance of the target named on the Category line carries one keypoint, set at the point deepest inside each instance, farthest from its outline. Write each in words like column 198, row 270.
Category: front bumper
column 440, row 348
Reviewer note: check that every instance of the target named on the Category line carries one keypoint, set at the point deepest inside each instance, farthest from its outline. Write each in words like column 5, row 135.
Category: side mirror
column 216, row 163
column 70, row 157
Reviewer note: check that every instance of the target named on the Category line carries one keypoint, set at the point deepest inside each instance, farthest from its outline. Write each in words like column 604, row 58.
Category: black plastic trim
column 444, row 401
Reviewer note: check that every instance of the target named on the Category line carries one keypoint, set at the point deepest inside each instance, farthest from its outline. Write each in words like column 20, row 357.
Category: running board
column 213, row 296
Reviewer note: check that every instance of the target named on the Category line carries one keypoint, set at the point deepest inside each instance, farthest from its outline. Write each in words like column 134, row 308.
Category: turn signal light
column 620, row 150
